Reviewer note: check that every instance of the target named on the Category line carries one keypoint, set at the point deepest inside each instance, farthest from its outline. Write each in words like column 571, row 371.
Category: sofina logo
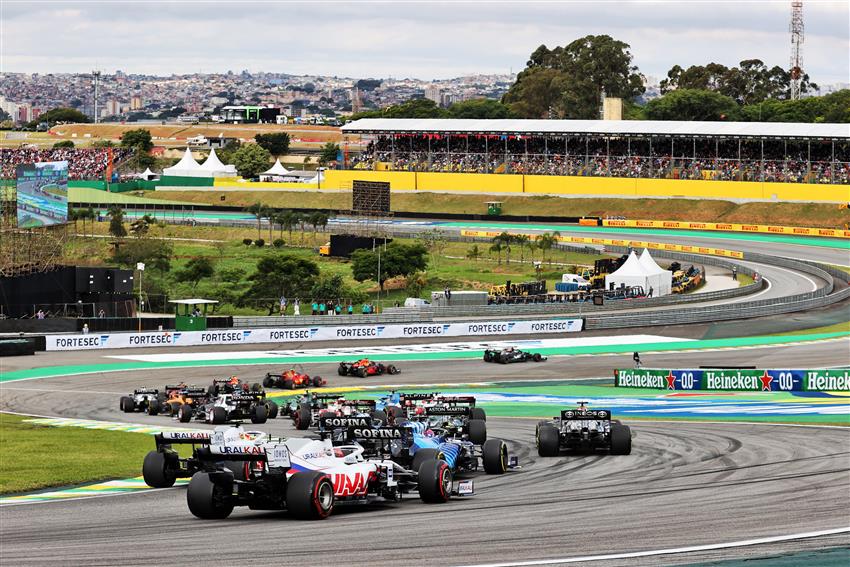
column 103, row 339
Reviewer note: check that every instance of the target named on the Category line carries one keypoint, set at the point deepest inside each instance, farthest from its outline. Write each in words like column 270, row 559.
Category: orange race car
column 292, row 379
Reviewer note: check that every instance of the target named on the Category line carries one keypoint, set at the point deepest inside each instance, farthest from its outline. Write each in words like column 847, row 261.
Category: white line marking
column 671, row 551
column 753, row 296
column 5, row 388
column 77, row 499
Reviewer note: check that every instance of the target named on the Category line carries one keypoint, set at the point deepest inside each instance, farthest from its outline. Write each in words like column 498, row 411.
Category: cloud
column 422, row 39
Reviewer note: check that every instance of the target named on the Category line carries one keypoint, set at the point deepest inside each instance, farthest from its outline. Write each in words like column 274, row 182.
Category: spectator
column 350, row 309
column 338, row 309
column 323, row 310
column 296, row 307
column 101, row 314
column 315, row 307
column 636, row 358
column 365, row 309
column 89, row 163
column 282, row 305
column 39, row 314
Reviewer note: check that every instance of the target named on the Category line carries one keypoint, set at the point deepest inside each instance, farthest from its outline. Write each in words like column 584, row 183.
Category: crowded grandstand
column 82, row 163
column 774, row 152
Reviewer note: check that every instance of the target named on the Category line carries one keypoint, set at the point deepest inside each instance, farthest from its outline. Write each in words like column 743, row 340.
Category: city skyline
column 405, row 39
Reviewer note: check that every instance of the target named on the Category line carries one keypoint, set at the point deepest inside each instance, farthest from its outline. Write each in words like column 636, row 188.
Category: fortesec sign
column 310, row 334
column 837, row 380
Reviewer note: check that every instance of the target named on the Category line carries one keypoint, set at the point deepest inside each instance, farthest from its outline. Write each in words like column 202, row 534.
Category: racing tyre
column 392, row 369
column 495, row 456
column 259, row 414
column 184, row 414
column 175, row 407
column 379, row 415
column 153, row 407
column 478, row 413
column 272, row 409
column 342, row 370
column 621, row 439
column 536, row 357
column 423, row 455
column 396, row 413
column 255, row 387
column 548, row 441
column 127, row 404
column 477, row 431
column 317, row 381
column 435, row 481
column 156, row 471
column 209, row 500
column 310, row 495
column 213, row 389
column 361, row 372
column 289, row 385
column 302, row 418
column 488, row 356
column 503, row 359
column 218, row 415
column 268, row 382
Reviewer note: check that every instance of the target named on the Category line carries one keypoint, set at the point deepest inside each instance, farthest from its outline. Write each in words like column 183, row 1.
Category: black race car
column 511, row 354
column 583, row 429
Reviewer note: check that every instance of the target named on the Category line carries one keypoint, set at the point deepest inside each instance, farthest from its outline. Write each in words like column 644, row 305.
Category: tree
column 259, row 211
column 329, row 153
column 545, row 242
column 317, row 219
column 116, row 222
column 434, row 241
column 567, row 81
column 281, row 275
column 384, row 263
column 64, row 144
column 497, row 247
column 103, row 144
column 74, row 215
column 66, row 115
column 505, row 240
column 482, row 108
column 288, row 220
column 139, row 139
column 277, row 143
column 522, row 241
column 473, row 253
column 415, row 283
column 196, row 269
column 251, row 160
column 689, row 104
column 333, row 287
column 155, row 253
column 413, row 108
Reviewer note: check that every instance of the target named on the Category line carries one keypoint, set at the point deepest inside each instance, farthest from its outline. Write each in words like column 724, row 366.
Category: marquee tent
column 186, row 167
column 275, row 172
column 662, row 280
column 635, row 273
column 215, row 168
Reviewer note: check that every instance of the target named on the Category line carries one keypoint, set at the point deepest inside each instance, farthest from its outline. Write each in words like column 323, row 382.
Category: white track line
column 671, row 551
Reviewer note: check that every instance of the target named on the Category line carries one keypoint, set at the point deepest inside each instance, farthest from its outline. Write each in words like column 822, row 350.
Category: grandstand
column 89, row 163
column 718, row 151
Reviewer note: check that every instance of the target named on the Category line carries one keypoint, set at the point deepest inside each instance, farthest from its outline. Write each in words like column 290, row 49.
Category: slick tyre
column 495, row 456
column 537, row 357
column 255, row 387
column 153, row 407
column 272, row 409
column 392, row 369
column 310, row 495
column 423, row 455
column 268, row 382
column 621, row 439
column 175, row 407
column 317, row 381
column 184, row 414
column 209, row 500
column 477, row 431
column 361, row 372
column 478, row 413
column 218, row 415
column 548, row 441
column 488, row 356
column 127, row 404
column 303, row 417
column 288, row 385
column 156, row 470
column 435, row 481
column 259, row 414
column 379, row 415
column 396, row 413
column 342, row 370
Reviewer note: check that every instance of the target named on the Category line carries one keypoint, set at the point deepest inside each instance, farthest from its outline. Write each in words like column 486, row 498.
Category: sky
column 401, row 38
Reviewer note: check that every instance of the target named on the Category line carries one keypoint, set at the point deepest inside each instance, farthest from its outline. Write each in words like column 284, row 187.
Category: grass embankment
column 34, row 456
column 842, row 327
column 744, row 280
column 234, row 262
column 789, row 214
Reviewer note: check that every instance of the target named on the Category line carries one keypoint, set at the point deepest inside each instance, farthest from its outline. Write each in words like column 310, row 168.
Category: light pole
column 141, row 267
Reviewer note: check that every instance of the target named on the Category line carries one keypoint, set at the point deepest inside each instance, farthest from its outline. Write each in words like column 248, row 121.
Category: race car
column 399, row 405
column 164, row 465
column 365, row 367
column 292, row 379
column 306, row 409
column 233, row 406
column 583, row 429
column 182, row 394
column 231, row 385
column 309, row 477
column 148, row 400
column 511, row 354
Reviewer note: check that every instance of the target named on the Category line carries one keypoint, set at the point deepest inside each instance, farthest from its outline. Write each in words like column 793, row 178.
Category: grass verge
column 33, row 457
column 844, row 327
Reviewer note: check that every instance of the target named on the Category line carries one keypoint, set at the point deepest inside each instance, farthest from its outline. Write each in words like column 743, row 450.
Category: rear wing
column 194, row 391
column 456, row 399
column 360, row 403
column 333, row 423
column 145, row 391
column 182, row 438
column 324, row 397
column 419, row 397
column 574, row 415
column 247, row 397
column 448, row 410
column 378, row 433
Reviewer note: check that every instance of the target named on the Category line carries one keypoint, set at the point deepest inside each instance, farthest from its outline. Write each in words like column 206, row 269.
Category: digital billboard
column 42, row 194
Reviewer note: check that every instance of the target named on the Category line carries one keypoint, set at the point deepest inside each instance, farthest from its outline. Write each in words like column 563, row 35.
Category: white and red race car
column 308, row 477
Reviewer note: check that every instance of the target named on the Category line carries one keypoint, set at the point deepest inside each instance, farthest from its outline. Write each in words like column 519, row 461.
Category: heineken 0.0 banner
column 836, row 380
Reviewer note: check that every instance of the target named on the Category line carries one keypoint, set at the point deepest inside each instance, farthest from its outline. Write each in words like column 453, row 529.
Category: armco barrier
column 765, row 380
column 310, row 334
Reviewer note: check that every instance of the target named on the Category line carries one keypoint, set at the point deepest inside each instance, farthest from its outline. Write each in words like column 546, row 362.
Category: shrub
column 247, row 241
column 278, row 243
column 259, row 243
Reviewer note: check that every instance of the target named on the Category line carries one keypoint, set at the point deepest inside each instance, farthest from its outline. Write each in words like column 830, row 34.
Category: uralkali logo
column 641, row 379
column 828, row 381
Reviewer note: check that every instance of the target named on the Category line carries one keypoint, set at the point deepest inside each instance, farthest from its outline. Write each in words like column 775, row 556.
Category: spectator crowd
column 789, row 161
column 82, row 163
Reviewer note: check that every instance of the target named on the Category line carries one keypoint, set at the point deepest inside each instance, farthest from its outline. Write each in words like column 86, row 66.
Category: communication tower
column 96, row 77
column 797, row 37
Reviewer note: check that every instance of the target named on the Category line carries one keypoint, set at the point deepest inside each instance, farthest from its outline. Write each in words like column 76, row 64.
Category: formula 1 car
column 309, row 477
column 511, row 354
column 180, row 395
column 365, row 367
column 143, row 399
column 584, row 429
column 400, row 405
column 226, row 407
column 163, row 466
column 231, row 385
column 305, row 409
column 292, row 379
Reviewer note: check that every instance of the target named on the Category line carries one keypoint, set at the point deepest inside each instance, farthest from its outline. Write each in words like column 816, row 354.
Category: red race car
column 292, row 379
column 365, row 367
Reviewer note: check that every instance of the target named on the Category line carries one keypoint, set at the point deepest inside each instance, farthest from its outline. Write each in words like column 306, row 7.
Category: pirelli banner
column 730, row 227
column 833, row 380
column 620, row 242
column 351, row 332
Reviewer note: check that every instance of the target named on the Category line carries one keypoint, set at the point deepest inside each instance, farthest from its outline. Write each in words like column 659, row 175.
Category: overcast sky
column 427, row 40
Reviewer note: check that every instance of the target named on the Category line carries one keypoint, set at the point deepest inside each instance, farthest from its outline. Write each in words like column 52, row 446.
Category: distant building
column 136, row 102
column 433, row 92
column 113, row 108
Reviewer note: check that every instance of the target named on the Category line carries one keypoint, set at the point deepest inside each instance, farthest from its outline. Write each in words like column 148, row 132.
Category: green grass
column 744, row 280
column 34, row 456
column 844, row 326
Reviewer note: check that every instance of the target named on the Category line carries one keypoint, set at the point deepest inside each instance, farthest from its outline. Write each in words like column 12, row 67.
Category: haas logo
column 350, row 485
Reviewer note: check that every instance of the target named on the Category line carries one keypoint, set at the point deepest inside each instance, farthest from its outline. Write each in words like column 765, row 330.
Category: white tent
column 318, row 178
column 634, row 273
column 186, row 167
column 660, row 280
column 147, row 175
column 274, row 173
column 215, row 168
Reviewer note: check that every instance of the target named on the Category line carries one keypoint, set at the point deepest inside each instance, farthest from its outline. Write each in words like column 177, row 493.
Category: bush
column 278, row 243
column 247, row 241
column 259, row 243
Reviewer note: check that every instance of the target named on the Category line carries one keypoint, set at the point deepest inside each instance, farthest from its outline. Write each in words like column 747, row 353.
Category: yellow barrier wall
column 732, row 227
column 470, row 182
column 256, row 185
column 342, row 179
